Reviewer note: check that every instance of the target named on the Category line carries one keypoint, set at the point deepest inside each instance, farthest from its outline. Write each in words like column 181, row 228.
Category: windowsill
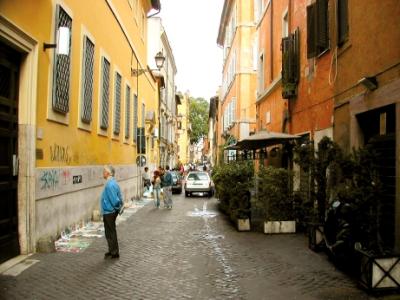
column 274, row 84
column 342, row 49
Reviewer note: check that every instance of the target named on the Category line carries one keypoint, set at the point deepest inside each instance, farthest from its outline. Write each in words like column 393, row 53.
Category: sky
column 192, row 29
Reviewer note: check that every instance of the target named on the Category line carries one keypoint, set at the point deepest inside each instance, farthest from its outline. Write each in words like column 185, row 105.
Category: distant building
column 184, row 129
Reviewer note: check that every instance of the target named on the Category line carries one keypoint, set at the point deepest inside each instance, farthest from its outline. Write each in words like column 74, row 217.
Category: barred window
column 127, row 112
column 135, row 116
column 105, row 92
column 143, row 114
column 87, row 82
column 117, row 103
column 61, row 69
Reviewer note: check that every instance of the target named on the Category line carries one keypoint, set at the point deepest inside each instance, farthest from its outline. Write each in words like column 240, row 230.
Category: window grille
column 127, row 112
column 88, row 62
column 105, row 92
column 61, row 69
column 135, row 116
column 117, row 104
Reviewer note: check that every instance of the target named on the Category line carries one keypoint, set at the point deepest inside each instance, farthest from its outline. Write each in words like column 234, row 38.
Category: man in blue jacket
column 111, row 202
column 167, row 187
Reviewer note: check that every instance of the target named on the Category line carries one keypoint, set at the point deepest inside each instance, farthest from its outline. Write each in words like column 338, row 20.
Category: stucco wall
column 67, row 196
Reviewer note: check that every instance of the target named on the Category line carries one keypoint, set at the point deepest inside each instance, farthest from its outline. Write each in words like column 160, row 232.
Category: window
column 317, row 28
column 127, row 111
column 117, row 103
column 135, row 116
column 87, row 82
column 261, row 73
column 268, row 117
column 258, row 10
column 62, row 66
column 233, row 111
column 143, row 114
column 290, row 65
column 105, row 92
column 285, row 24
column 342, row 22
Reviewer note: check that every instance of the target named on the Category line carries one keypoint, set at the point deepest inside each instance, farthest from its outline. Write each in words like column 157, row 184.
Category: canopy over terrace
column 262, row 139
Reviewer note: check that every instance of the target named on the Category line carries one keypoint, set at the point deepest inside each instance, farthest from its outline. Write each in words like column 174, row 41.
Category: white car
column 198, row 182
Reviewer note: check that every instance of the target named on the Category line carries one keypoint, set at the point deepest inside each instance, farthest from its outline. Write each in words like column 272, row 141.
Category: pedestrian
column 167, row 188
column 157, row 188
column 111, row 203
column 146, row 179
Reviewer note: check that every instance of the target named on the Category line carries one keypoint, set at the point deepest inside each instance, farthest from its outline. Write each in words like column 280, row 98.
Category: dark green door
column 9, row 73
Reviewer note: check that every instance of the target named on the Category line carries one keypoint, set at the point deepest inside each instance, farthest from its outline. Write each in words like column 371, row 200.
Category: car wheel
column 186, row 194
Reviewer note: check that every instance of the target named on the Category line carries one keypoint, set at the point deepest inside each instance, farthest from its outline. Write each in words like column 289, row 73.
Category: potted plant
column 353, row 228
column 275, row 195
column 234, row 199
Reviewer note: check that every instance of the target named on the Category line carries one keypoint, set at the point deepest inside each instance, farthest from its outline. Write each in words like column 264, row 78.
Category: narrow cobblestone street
column 189, row 252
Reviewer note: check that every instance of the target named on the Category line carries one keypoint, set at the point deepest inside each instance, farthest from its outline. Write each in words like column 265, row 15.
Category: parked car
column 177, row 182
column 198, row 182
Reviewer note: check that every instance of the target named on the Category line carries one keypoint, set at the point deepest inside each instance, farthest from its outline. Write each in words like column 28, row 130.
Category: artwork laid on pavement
column 77, row 238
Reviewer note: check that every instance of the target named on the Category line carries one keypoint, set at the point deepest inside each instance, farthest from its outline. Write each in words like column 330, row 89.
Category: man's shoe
column 115, row 255
column 107, row 255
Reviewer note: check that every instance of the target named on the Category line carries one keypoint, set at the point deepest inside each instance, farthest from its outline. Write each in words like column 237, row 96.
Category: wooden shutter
column 296, row 55
column 286, row 60
column 342, row 22
column 311, row 33
column 322, row 25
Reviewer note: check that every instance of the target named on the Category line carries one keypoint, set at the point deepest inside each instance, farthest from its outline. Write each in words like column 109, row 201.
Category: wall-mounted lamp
column 159, row 58
column 369, row 82
column 63, row 42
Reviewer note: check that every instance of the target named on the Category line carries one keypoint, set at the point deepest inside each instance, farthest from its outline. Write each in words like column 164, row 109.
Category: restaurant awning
column 264, row 139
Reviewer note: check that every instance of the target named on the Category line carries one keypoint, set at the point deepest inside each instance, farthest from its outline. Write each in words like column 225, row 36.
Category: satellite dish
column 141, row 160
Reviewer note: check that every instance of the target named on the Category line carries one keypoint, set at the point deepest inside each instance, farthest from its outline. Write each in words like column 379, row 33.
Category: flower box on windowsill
column 271, row 227
column 243, row 224
column 379, row 273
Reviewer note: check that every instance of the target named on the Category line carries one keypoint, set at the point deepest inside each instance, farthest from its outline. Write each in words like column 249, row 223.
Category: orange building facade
column 294, row 85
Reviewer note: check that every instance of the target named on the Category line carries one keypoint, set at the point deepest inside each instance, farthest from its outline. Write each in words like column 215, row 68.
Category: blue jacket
column 167, row 179
column 111, row 198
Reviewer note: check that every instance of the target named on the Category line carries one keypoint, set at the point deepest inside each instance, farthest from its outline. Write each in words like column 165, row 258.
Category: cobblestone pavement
column 185, row 253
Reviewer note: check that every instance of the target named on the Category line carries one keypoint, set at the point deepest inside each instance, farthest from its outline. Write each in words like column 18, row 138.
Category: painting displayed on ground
column 77, row 238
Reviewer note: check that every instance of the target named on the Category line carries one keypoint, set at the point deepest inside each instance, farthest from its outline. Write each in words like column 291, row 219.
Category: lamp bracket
column 48, row 46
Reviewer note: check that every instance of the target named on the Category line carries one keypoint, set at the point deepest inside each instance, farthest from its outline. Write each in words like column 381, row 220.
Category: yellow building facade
column 237, row 37
column 184, row 128
column 73, row 112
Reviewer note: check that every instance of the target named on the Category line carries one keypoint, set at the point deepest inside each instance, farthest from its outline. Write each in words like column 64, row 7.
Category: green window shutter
column 342, row 22
column 285, row 60
column 322, row 26
column 296, row 55
column 311, row 32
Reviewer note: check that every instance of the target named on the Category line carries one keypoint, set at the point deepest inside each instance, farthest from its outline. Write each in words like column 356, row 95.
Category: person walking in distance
column 167, row 187
column 146, row 179
column 156, row 188
column 111, row 202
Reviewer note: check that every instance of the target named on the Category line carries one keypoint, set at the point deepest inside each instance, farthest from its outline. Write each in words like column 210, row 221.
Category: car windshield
column 198, row 176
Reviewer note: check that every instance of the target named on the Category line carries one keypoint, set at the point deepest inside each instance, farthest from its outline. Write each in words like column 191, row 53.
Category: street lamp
column 159, row 58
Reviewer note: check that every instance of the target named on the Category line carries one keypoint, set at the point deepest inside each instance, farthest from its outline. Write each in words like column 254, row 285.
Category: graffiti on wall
column 65, row 175
column 60, row 154
column 49, row 179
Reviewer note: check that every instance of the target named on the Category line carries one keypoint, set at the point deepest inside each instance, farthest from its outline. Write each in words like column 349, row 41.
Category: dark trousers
column 111, row 232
